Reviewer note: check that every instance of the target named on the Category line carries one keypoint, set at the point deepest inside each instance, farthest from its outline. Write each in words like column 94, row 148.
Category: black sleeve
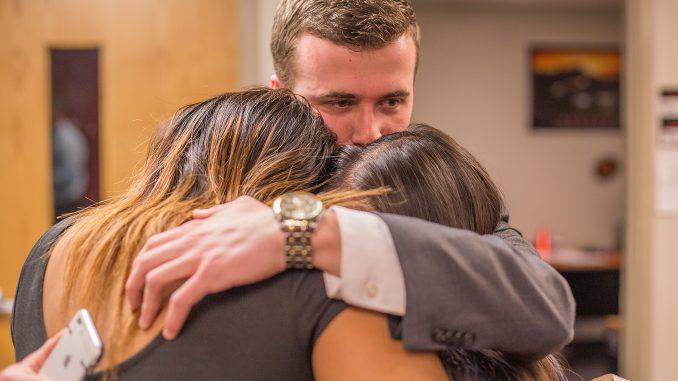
column 314, row 310
column 27, row 326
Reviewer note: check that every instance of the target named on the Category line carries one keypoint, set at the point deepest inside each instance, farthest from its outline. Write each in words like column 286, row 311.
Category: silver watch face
column 298, row 206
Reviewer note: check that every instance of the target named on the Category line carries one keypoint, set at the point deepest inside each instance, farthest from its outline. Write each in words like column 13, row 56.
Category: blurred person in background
column 69, row 163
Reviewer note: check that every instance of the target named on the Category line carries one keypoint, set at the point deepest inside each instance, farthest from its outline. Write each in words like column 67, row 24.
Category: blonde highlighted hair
column 260, row 143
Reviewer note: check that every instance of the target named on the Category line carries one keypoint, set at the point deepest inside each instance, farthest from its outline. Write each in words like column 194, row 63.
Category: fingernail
column 143, row 324
column 167, row 334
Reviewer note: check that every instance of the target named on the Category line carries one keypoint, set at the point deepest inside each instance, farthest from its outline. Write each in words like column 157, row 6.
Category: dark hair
column 434, row 178
column 491, row 365
column 431, row 175
column 356, row 24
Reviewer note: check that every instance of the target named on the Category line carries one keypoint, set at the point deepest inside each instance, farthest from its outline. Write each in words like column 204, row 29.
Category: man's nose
column 366, row 127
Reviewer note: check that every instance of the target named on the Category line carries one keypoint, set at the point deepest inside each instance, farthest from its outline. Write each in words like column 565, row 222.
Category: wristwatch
column 298, row 213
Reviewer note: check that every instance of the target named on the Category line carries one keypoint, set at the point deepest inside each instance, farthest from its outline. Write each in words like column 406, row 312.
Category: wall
column 648, row 295
column 665, row 237
column 256, row 62
column 155, row 55
column 473, row 82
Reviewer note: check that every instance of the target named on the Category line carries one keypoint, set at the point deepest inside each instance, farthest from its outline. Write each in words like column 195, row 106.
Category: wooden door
column 154, row 56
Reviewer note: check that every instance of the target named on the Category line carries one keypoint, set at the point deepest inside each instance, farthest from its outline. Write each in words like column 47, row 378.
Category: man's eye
column 392, row 102
column 341, row 103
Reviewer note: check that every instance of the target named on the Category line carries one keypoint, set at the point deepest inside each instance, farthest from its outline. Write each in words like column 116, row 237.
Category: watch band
column 298, row 249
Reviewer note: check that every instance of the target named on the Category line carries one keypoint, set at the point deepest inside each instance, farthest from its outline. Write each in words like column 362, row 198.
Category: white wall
column 473, row 82
column 650, row 306
column 256, row 63
column 665, row 255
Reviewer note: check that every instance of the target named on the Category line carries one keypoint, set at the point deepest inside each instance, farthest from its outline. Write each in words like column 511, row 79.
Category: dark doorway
column 75, row 128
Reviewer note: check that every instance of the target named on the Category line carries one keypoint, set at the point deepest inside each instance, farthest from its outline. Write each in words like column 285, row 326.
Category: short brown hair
column 356, row 24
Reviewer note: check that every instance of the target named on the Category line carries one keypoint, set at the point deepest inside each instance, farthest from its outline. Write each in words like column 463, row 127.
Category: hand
column 223, row 247
column 27, row 370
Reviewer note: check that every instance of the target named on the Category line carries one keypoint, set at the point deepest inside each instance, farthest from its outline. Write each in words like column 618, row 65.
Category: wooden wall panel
column 25, row 198
column 155, row 56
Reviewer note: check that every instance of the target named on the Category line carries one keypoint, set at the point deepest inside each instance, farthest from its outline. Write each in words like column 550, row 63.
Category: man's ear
column 275, row 82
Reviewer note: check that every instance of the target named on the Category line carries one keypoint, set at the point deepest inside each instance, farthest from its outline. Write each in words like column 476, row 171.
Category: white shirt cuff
column 371, row 276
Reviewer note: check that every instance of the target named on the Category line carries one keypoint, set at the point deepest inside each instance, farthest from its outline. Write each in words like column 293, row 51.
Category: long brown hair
column 434, row 178
column 261, row 143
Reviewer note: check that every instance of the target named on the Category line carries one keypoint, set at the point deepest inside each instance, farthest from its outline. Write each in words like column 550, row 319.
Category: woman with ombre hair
column 259, row 143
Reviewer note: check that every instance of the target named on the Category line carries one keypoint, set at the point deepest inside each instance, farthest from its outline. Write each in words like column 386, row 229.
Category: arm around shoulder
column 479, row 292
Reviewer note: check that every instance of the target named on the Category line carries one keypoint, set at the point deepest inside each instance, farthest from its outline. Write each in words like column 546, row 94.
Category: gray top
column 263, row 331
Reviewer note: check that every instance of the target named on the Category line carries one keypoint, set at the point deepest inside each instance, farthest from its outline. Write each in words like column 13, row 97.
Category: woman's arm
column 356, row 345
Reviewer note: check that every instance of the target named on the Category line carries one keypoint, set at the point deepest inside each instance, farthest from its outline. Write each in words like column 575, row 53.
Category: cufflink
column 371, row 290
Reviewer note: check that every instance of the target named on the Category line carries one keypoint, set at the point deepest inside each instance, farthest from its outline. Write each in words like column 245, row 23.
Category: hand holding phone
column 77, row 352
column 28, row 368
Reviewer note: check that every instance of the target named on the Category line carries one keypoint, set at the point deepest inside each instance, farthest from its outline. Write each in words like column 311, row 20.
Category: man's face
column 361, row 95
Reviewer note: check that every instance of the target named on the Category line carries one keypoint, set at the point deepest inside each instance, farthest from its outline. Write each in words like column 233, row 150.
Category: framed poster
column 668, row 113
column 575, row 87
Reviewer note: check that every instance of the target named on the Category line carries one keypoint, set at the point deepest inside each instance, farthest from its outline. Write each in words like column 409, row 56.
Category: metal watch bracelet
column 298, row 249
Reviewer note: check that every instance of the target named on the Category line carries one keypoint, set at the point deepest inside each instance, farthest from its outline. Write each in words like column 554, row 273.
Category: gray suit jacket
column 478, row 292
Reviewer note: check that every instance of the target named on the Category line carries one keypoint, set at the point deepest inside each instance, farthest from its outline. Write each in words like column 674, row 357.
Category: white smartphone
column 77, row 352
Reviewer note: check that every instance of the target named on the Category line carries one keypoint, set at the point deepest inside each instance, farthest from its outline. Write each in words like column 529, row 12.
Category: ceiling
column 542, row 4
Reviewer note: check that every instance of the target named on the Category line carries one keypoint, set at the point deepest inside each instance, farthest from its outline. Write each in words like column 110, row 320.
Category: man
column 355, row 62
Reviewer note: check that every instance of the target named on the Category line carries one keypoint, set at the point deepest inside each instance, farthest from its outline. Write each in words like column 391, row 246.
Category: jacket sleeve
column 478, row 292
